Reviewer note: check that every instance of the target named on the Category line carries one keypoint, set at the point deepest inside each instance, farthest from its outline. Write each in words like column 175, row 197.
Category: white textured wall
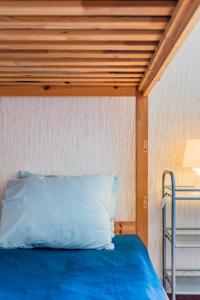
column 70, row 136
column 174, row 116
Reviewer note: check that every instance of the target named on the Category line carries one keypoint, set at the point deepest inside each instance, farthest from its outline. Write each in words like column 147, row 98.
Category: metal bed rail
column 172, row 280
column 177, row 237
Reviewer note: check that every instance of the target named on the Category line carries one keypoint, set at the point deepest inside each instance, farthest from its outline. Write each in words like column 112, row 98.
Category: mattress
column 123, row 273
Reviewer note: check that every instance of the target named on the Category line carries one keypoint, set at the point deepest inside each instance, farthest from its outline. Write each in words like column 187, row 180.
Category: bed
column 94, row 48
column 124, row 273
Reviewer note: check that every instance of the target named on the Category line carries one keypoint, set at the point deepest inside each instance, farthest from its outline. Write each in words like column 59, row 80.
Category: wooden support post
column 142, row 167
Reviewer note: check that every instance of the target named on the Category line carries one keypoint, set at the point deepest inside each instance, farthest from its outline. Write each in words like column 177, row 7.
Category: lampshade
column 191, row 157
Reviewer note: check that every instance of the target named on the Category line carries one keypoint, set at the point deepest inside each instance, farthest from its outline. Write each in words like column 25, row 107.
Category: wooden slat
column 75, row 54
column 87, row 8
column 95, row 45
column 68, row 79
column 69, row 83
column 125, row 227
column 142, row 167
column 80, row 35
column 186, row 15
column 73, row 62
column 51, row 90
column 72, row 69
column 72, row 75
column 83, row 22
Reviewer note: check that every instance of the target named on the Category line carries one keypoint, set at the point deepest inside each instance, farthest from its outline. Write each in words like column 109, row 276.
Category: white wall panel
column 174, row 116
column 70, row 136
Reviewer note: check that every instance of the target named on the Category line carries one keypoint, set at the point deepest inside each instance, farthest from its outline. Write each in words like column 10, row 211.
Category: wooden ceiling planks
column 94, row 43
column 65, row 62
column 85, row 46
column 109, row 75
column 127, row 23
column 67, row 79
column 74, row 54
column 73, row 69
column 87, row 8
column 71, row 83
column 80, row 35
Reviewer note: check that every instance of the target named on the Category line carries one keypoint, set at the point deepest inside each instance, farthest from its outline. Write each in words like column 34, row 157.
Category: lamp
column 191, row 157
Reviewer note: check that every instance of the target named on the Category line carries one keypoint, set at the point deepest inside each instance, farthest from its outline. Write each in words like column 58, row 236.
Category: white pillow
column 58, row 212
column 25, row 174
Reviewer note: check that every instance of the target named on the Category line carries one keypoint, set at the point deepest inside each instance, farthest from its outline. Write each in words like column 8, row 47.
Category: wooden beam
column 64, row 62
column 142, row 167
column 185, row 16
column 92, row 45
column 80, row 35
column 45, row 90
column 74, row 54
column 87, row 8
column 71, row 75
column 125, row 227
column 83, row 22
column 73, row 69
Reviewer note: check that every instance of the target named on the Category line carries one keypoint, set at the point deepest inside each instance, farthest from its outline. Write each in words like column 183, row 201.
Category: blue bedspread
column 124, row 273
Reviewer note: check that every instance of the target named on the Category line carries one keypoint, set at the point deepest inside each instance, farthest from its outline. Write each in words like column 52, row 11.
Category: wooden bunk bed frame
column 95, row 48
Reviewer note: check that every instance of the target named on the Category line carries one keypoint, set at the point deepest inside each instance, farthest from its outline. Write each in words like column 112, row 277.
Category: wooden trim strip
column 64, row 62
column 45, row 90
column 142, row 167
column 79, row 35
column 83, row 22
column 87, row 8
column 33, row 54
column 68, row 83
column 70, row 75
column 90, row 69
column 185, row 16
column 92, row 45
column 65, row 79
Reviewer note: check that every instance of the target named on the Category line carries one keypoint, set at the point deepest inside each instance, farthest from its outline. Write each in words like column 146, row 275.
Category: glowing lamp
column 191, row 158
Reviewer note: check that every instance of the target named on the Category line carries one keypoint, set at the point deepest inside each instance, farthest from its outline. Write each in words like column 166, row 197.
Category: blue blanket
column 45, row 274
